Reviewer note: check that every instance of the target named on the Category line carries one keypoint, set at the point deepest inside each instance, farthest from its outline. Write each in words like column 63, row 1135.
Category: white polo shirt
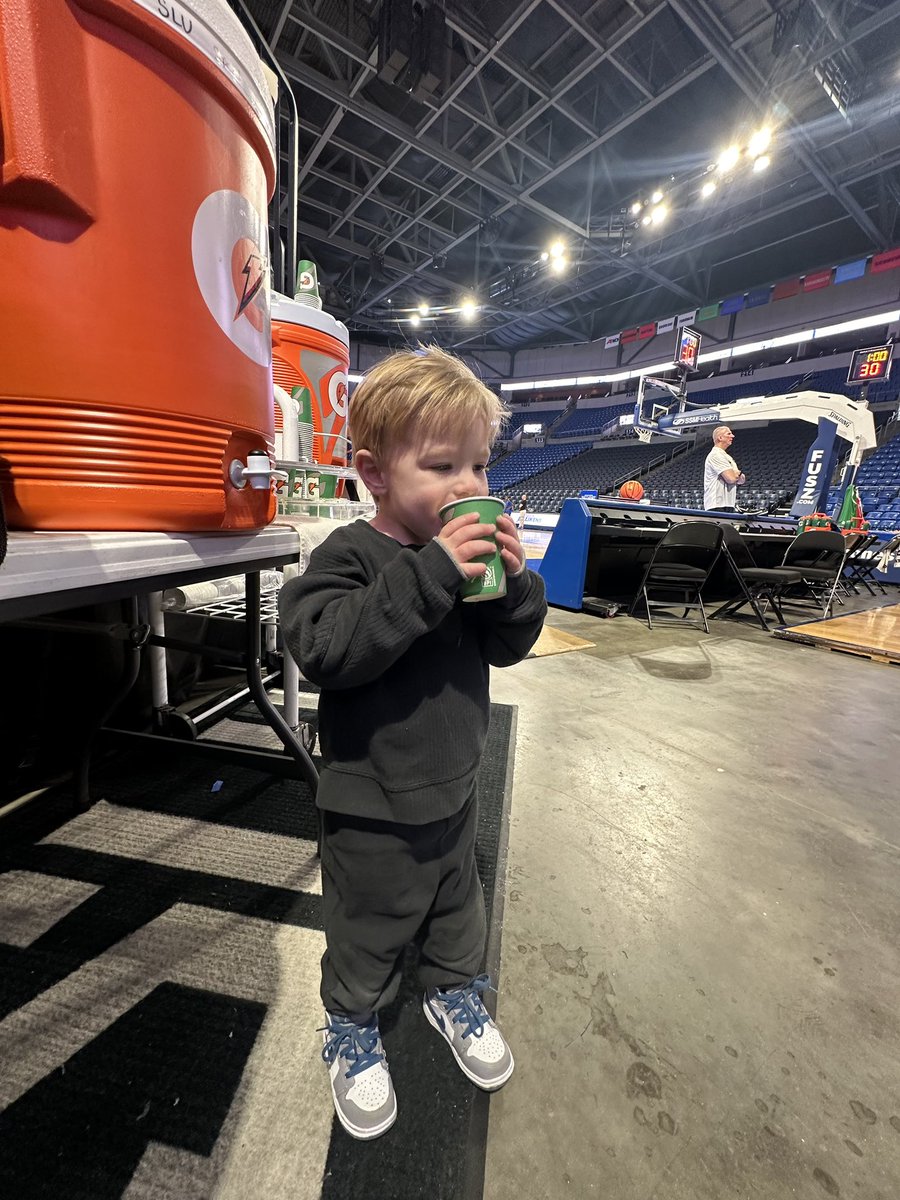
column 716, row 492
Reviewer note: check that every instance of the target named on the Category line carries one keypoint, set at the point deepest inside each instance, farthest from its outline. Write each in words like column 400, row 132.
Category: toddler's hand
column 465, row 538
column 511, row 549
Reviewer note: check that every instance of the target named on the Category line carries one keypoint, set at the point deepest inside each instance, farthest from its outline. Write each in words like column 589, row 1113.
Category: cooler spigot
column 259, row 471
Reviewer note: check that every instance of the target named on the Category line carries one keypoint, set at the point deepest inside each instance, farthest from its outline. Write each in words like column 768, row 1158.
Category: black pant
column 385, row 884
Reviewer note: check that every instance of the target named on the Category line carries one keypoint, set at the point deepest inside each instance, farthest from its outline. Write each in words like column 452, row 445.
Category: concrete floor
column 701, row 969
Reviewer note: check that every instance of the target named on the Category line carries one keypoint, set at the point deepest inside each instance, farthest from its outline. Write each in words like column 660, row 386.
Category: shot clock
column 687, row 348
column 870, row 365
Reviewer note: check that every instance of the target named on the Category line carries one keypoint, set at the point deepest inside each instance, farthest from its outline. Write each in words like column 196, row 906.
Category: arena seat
column 588, row 468
column 771, row 457
column 530, row 416
column 591, row 420
column 521, row 465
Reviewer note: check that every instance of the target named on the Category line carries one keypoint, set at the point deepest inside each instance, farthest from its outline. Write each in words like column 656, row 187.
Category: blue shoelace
column 464, row 1006
column 356, row 1043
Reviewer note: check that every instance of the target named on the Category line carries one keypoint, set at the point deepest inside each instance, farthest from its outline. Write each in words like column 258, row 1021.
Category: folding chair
column 756, row 583
column 681, row 563
column 817, row 560
column 862, row 562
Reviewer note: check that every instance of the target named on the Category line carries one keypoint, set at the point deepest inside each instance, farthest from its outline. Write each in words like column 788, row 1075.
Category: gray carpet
column 159, row 1000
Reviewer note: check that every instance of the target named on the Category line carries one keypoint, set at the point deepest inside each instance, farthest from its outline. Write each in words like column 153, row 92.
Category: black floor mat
column 174, row 835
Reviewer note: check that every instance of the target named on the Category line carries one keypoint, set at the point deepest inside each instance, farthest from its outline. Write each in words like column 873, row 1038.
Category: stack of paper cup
column 307, row 284
column 303, row 399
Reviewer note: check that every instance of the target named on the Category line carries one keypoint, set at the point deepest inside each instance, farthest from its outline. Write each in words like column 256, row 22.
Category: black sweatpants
column 384, row 884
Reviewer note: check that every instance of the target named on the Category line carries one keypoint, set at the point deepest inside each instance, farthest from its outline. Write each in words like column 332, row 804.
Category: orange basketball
column 632, row 490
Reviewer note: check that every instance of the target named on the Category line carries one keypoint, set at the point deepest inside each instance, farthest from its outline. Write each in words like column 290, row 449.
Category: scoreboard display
column 687, row 348
column 870, row 365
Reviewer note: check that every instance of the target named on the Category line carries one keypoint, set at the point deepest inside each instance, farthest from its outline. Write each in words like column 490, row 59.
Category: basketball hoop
column 644, row 434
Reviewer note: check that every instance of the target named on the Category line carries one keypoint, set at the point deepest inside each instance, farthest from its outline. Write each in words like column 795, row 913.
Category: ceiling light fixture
column 761, row 163
column 759, row 142
column 708, row 188
column 728, row 159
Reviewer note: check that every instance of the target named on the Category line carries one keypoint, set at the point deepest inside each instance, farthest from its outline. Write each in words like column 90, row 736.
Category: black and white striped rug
column 159, row 972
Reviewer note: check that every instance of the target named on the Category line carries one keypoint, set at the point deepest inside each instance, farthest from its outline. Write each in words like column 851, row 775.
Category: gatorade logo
column 338, row 393
column 489, row 580
column 306, row 283
column 229, row 249
column 247, row 277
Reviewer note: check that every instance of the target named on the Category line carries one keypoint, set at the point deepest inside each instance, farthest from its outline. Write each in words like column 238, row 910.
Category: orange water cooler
column 137, row 145
column 310, row 348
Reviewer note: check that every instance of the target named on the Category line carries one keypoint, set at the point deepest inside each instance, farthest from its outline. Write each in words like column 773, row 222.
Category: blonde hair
column 411, row 391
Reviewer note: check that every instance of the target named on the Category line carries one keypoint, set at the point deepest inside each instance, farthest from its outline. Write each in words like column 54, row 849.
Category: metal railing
column 661, row 461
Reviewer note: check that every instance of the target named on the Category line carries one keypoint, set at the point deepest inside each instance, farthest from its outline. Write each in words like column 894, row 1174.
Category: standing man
column 522, row 513
column 721, row 474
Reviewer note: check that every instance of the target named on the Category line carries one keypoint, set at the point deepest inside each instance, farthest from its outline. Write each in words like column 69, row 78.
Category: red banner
column 818, row 279
column 886, row 261
column 786, row 289
column 646, row 331
column 628, row 335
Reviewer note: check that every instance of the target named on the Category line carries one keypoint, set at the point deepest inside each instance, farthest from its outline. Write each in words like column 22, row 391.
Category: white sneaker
column 478, row 1046
column 361, row 1085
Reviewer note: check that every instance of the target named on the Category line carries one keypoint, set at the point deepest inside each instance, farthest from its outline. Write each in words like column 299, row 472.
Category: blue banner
column 759, row 296
column 821, row 460
column 735, row 304
column 854, row 270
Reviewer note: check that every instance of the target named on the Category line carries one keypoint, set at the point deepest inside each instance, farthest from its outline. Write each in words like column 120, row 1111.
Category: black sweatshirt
column 403, row 665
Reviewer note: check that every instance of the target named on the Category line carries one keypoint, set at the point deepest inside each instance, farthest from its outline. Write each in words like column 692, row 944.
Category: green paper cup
column 327, row 486
column 491, row 585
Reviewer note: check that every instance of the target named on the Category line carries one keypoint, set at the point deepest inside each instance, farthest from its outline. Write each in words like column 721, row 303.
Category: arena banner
column 847, row 271
column 647, row 331
column 687, row 318
column 821, row 460
column 759, row 296
column 732, row 305
column 665, row 326
column 628, row 335
column 817, row 280
column 786, row 289
column 709, row 312
column 885, row 262
column 611, row 342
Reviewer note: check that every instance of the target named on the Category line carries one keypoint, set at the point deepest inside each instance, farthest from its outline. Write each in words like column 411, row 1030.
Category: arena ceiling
column 534, row 121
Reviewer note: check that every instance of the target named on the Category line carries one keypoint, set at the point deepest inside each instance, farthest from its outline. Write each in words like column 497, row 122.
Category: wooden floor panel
column 874, row 633
column 557, row 641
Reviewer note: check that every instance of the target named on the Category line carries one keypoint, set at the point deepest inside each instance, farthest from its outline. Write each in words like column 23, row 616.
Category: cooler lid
column 283, row 308
column 212, row 28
